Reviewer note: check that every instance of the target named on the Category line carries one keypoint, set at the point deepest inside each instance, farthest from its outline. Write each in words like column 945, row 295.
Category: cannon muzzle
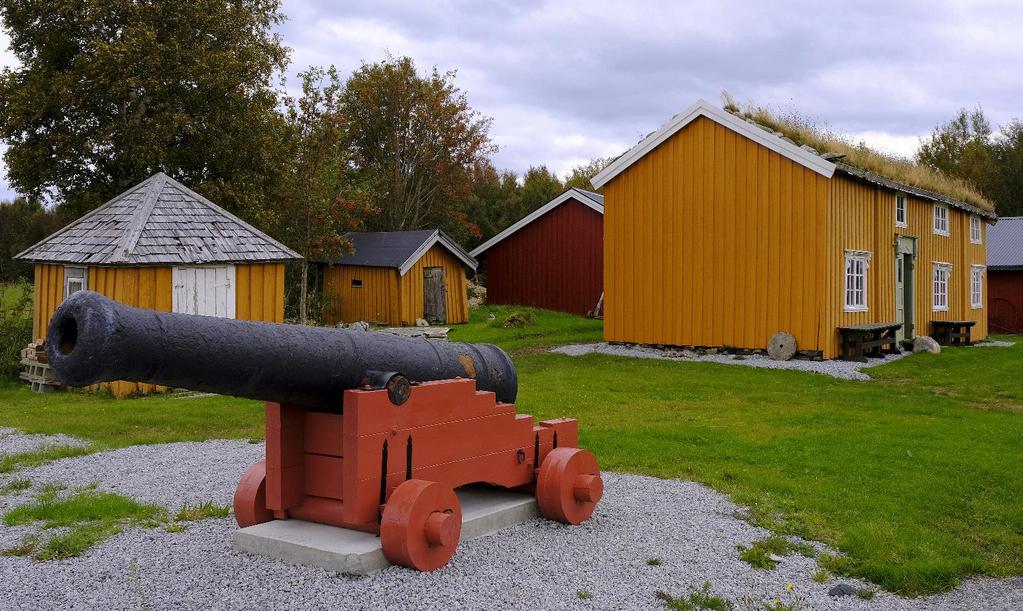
column 92, row 339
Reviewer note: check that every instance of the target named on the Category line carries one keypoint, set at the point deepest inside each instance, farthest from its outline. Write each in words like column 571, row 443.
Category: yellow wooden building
column 719, row 232
column 396, row 278
column 162, row 246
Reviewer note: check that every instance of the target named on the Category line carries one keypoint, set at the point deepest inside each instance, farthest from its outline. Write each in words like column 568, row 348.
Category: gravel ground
column 846, row 370
column 993, row 343
column 13, row 441
column 536, row 565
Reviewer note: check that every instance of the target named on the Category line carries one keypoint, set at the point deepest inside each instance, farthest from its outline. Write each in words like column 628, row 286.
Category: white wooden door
column 206, row 291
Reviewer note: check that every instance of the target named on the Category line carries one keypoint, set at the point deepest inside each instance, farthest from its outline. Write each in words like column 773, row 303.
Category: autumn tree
column 417, row 140
column 321, row 197
column 110, row 91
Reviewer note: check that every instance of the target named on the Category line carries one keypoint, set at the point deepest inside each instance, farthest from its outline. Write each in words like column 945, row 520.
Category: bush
column 15, row 325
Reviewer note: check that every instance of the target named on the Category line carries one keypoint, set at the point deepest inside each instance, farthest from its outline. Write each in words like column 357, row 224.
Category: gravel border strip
column 846, row 370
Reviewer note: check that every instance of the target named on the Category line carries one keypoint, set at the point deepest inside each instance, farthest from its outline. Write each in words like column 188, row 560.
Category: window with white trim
column 977, row 286
column 942, row 272
column 856, row 264
column 75, row 279
column 900, row 209
column 941, row 219
column 975, row 231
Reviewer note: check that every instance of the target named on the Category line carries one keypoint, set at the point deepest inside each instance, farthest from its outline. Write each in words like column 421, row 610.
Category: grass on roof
column 803, row 130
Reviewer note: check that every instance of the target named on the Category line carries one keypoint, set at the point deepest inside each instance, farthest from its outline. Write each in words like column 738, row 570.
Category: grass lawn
column 916, row 477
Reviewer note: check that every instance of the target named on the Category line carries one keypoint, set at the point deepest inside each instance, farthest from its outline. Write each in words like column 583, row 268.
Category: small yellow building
column 397, row 277
column 719, row 232
column 162, row 246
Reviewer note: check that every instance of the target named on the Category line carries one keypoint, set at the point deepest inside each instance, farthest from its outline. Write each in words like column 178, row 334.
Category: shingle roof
column 158, row 222
column 1005, row 243
column 399, row 249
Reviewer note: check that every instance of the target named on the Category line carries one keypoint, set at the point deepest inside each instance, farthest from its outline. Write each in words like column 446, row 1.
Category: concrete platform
column 484, row 510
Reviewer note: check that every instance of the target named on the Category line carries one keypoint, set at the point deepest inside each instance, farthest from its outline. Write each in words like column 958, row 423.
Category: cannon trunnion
column 363, row 430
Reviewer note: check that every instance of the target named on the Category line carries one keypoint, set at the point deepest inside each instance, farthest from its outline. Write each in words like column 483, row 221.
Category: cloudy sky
column 569, row 81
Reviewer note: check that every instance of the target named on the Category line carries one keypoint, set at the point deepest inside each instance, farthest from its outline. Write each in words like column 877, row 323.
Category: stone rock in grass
column 926, row 344
column 842, row 589
column 359, row 326
column 782, row 346
column 421, row 322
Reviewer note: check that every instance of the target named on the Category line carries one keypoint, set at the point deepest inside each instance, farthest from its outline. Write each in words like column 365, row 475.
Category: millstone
column 782, row 346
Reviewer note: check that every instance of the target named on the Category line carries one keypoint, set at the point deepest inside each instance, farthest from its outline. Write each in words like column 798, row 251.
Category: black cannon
column 92, row 339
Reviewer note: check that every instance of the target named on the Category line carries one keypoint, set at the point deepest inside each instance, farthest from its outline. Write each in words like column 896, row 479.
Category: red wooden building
column 1005, row 275
column 553, row 258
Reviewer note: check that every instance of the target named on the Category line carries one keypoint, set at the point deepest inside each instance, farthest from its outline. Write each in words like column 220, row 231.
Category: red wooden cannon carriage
column 390, row 462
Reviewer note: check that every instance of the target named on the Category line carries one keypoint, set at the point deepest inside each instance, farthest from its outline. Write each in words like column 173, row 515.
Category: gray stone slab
column 484, row 511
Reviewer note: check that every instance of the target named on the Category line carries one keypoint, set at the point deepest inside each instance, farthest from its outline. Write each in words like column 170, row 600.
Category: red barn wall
column 556, row 262
column 1005, row 301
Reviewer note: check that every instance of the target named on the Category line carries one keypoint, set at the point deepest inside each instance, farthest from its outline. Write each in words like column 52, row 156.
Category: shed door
column 206, row 291
column 433, row 295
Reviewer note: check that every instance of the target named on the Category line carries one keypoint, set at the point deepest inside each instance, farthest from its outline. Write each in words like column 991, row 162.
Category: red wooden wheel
column 250, row 497
column 421, row 525
column 569, row 485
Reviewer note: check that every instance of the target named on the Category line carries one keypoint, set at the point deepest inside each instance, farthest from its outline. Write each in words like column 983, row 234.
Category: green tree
column 23, row 222
column 415, row 138
column 495, row 202
column 110, row 91
column 962, row 148
column 579, row 176
column 539, row 186
column 320, row 197
column 1007, row 191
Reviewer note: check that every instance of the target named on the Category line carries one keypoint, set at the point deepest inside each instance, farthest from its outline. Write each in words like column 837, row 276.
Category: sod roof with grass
column 861, row 162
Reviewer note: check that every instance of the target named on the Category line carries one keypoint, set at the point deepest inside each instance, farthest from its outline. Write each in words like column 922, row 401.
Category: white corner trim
column 438, row 237
column 706, row 109
column 532, row 216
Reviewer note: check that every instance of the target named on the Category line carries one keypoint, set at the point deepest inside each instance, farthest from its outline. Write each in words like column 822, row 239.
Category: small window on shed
column 75, row 279
column 975, row 232
column 356, row 283
column 942, row 271
column 941, row 219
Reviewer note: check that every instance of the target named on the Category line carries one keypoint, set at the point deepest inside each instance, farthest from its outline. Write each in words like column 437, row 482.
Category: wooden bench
column 952, row 332
column 872, row 340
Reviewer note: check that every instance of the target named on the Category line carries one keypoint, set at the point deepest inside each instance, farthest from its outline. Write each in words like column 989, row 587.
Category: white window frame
column 941, row 278
column 977, row 286
column 976, row 233
column 857, row 262
column 80, row 277
column 941, row 221
column 901, row 205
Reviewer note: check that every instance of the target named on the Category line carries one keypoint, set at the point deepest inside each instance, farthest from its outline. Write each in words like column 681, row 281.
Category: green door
column 905, row 265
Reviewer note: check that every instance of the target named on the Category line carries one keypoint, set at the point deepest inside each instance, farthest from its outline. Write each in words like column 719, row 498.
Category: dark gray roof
column 399, row 249
column 1005, row 243
column 597, row 197
column 158, row 222
column 898, row 186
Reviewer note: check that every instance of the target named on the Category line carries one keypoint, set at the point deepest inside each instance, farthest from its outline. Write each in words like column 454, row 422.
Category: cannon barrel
column 92, row 339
